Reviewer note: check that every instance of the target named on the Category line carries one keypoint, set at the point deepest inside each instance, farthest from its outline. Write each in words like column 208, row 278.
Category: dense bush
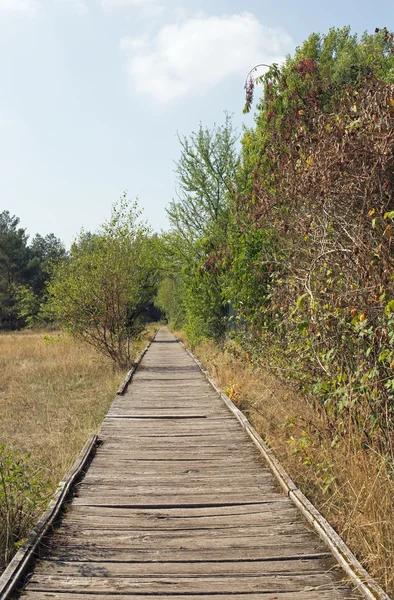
column 322, row 158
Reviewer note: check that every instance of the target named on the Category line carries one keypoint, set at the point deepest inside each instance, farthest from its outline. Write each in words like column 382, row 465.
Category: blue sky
column 93, row 93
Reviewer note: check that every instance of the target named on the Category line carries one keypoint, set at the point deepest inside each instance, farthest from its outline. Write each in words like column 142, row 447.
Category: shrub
column 22, row 496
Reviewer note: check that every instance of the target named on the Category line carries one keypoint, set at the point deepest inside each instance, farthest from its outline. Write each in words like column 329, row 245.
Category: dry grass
column 54, row 393
column 352, row 486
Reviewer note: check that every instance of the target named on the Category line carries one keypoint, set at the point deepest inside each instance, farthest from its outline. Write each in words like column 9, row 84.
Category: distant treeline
column 25, row 268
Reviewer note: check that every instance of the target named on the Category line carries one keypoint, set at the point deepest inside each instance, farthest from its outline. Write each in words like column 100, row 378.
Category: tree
column 24, row 271
column 45, row 252
column 205, row 173
column 200, row 218
column 14, row 260
column 100, row 293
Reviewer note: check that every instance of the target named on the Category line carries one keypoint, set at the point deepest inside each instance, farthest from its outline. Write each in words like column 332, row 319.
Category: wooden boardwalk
column 177, row 503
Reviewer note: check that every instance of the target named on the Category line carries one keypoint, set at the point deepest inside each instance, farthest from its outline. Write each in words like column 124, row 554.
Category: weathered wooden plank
column 341, row 593
column 119, row 441
column 286, row 551
column 129, row 536
column 184, row 500
column 175, row 585
column 173, row 455
column 108, row 520
column 181, row 569
column 232, row 513
column 186, row 540
column 180, row 480
column 131, row 469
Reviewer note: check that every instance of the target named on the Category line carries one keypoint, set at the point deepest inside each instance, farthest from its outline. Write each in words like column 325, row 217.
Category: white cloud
column 19, row 6
column 198, row 53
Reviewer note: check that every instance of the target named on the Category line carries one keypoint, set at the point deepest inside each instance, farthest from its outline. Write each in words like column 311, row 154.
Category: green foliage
column 252, row 267
column 204, row 307
column 169, row 300
column 100, row 294
column 24, row 272
column 14, row 260
column 200, row 221
column 205, row 174
column 22, row 496
column 28, row 303
column 316, row 184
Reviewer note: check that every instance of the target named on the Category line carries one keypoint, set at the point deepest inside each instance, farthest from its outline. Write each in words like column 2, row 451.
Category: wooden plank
column 286, row 551
column 179, row 569
column 184, row 500
column 126, row 537
column 111, row 488
column 232, row 513
column 175, row 585
column 218, row 455
column 147, row 485
column 186, row 540
column 341, row 593
column 102, row 518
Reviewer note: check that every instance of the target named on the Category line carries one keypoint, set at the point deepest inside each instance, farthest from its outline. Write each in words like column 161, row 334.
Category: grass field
column 54, row 393
column 351, row 485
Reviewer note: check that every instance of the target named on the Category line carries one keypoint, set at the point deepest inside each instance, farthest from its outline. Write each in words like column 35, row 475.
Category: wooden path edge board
column 16, row 569
column 366, row 585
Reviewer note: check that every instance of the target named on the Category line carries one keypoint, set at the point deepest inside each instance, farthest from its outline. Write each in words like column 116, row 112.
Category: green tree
column 14, row 261
column 169, row 300
column 24, row 270
column 200, row 220
column 100, row 293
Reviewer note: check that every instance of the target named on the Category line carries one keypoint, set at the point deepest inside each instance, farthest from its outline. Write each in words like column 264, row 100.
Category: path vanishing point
column 178, row 503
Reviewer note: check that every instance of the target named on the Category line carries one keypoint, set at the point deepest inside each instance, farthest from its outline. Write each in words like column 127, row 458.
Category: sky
column 95, row 92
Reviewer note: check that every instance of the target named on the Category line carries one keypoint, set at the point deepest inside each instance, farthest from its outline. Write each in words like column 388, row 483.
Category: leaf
column 301, row 300
column 353, row 124
column 389, row 307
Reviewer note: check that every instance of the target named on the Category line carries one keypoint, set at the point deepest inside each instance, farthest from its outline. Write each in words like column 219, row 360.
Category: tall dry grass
column 351, row 485
column 54, row 393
